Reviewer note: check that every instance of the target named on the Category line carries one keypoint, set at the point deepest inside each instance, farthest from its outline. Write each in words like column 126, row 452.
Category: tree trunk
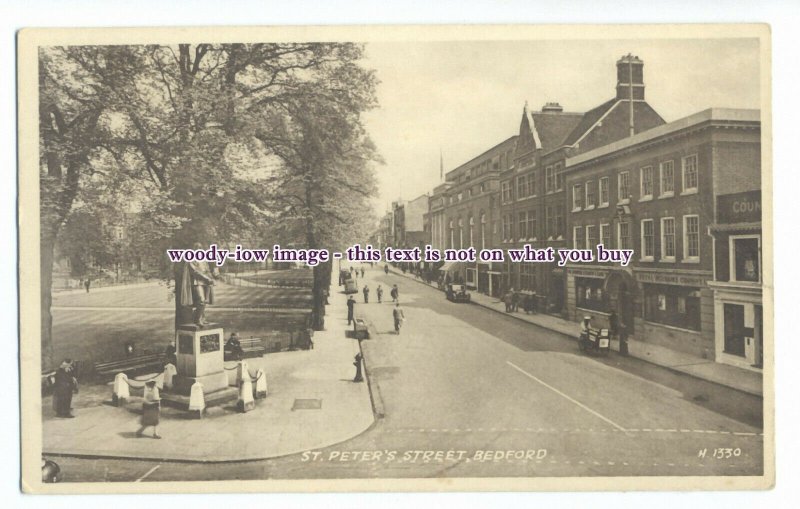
column 45, row 284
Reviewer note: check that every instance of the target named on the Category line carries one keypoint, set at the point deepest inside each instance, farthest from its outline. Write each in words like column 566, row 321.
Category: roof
column 554, row 127
column 724, row 115
column 589, row 119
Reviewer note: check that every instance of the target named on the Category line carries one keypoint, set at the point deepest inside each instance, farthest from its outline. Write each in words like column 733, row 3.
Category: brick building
column 655, row 193
column 533, row 197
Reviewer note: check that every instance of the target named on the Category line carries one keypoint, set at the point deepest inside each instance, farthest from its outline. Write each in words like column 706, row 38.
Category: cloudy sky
column 465, row 97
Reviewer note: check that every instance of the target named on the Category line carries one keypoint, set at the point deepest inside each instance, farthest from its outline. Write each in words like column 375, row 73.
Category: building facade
column 655, row 193
column 471, row 215
column 533, row 195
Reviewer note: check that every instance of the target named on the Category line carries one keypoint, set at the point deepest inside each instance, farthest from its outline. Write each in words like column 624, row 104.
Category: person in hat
column 234, row 346
column 64, row 385
column 151, row 409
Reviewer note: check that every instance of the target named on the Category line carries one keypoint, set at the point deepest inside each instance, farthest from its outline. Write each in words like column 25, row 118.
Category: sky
column 461, row 98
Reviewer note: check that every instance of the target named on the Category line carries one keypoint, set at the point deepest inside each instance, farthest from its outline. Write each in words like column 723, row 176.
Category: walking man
column 362, row 272
column 395, row 293
column 366, row 294
column 87, row 284
column 351, row 304
column 399, row 316
column 379, row 291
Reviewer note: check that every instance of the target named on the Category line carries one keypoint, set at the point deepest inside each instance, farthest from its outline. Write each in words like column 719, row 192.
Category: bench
column 132, row 364
column 251, row 347
column 360, row 330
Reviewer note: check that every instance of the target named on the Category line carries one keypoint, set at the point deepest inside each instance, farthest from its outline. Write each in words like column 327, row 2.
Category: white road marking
column 146, row 475
column 578, row 403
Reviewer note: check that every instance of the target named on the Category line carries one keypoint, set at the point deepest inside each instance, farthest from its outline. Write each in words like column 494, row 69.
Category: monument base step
column 216, row 398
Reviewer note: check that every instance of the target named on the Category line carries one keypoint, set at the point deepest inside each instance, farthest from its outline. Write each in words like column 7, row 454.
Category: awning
column 450, row 266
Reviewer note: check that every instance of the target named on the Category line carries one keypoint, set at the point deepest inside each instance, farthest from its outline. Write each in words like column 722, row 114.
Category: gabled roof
column 554, row 127
column 589, row 119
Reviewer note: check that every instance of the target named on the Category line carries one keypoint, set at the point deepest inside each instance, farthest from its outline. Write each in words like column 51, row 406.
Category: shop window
column 676, row 306
column 745, row 256
column 589, row 294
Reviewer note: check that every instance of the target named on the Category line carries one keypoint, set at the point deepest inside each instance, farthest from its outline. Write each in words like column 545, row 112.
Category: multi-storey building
column 655, row 193
column 533, row 196
column 471, row 214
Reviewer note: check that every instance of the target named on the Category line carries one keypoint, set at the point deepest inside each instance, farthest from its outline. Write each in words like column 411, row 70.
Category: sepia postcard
column 396, row 258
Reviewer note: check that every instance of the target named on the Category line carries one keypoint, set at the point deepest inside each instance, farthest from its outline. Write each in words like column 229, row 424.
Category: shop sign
column 669, row 278
column 588, row 273
column 739, row 207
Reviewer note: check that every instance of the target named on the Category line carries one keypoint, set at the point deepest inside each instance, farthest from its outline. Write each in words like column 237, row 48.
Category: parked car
column 457, row 293
column 349, row 283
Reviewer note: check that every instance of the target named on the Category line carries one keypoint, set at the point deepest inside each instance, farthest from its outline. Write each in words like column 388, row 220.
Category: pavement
column 277, row 427
column 730, row 376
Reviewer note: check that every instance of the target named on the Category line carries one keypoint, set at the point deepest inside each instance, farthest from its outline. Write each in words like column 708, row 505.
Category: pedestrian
column 395, row 293
column 65, row 385
column 151, row 409
column 171, row 354
column 366, row 294
column 379, row 292
column 351, row 303
column 87, row 284
column 399, row 316
column 357, row 364
column 234, row 346
column 362, row 272
column 514, row 300
column 386, row 269
column 613, row 324
column 623, row 338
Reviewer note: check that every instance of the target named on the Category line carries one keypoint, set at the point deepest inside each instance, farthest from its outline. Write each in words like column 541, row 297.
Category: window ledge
column 647, row 259
column 689, row 191
column 603, row 206
column 576, row 209
column 691, row 260
column 626, row 201
column 667, row 259
column 589, row 207
column 649, row 197
column 666, row 195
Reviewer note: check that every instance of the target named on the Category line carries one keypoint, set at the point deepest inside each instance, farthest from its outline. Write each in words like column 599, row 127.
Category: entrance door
column 734, row 329
column 626, row 308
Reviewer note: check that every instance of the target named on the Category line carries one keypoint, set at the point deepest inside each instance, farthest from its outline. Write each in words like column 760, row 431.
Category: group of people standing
column 397, row 313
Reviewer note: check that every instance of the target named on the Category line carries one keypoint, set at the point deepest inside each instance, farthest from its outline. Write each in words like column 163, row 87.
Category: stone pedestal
column 200, row 359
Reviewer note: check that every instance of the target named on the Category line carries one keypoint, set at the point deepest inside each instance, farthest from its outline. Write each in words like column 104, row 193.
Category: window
column 589, row 294
column 452, row 235
column 690, row 174
column 605, row 235
column 676, row 306
column 591, row 237
column 559, row 177
column 531, row 228
column 604, row 191
column 667, row 172
column 460, row 196
column 483, row 230
column 589, row 194
column 527, row 276
column 460, row 233
column 646, row 183
column 471, row 228
column 549, row 180
column 624, row 235
column 523, row 225
column 745, row 256
column 691, row 238
column 522, row 187
column 508, row 228
column 623, row 187
column 577, row 237
column 648, row 241
column 559, row 221
column 668, row 239
column 506, row 193
column 577, row 197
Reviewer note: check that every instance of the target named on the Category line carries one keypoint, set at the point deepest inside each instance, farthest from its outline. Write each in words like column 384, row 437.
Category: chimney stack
column 552, row 108
column 630, row 78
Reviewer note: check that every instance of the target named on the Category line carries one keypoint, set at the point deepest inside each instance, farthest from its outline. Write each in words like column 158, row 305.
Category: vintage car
column 457, row 293
column 349, row 282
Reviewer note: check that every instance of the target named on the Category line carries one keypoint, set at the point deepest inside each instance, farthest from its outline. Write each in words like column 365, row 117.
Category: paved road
column 470, row 392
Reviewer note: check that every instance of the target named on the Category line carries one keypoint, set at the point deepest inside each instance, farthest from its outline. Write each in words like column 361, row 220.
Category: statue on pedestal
column 196, row 289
